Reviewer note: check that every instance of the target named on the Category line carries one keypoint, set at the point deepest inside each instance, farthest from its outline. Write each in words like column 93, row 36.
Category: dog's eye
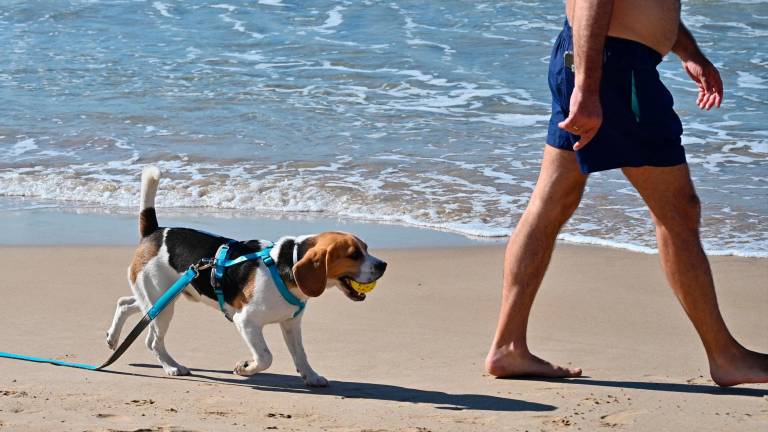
column 356, row 255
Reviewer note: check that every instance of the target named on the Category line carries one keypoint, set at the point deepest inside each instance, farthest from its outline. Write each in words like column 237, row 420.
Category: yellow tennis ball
column 362, row 288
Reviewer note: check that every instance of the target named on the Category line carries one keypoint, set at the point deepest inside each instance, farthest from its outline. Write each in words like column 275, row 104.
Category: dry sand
column 407, row 359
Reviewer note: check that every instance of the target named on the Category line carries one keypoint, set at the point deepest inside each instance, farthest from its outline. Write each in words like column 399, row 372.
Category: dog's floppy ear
column 311, row 272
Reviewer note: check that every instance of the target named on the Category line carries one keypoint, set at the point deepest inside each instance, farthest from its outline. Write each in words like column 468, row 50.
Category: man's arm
column 591, row 19
column 699, row 68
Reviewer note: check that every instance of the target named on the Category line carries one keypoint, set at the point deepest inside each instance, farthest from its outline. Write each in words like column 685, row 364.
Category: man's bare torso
column 651, row 22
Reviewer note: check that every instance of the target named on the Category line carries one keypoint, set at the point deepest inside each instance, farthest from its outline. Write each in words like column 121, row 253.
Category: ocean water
column 422, row 113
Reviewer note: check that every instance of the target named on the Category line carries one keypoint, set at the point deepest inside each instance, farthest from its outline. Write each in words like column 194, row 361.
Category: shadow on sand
column 656, row 386
column 353, row 390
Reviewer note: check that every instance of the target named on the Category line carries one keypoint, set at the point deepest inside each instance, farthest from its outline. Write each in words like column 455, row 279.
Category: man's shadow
column 270, row 382
column 657, row 386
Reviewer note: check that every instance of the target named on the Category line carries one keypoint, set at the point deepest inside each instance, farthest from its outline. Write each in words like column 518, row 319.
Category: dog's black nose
column 380, row 266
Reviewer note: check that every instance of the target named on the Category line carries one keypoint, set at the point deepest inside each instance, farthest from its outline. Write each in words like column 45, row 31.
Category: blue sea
column 424, row 113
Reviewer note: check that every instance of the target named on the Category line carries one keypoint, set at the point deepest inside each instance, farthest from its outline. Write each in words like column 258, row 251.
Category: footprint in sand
column 621, row 418
column 594, row 400
column 557, row 422
column 112, row 417
column 155, row 429
column 141, row 402
column 701, row 379
column 279, row 415
column 13, row 393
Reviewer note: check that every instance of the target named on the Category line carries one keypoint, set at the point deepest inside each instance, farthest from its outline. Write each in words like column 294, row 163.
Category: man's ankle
column 510, row 348
column 725, row 353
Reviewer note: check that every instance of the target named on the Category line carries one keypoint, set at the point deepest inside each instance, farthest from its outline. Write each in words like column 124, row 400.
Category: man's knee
column 568, row 204
column 555, row 210
column 683, row 218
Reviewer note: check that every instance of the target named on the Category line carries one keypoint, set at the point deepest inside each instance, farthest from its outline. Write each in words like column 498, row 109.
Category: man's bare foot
column 745, row 367
column 503, row 363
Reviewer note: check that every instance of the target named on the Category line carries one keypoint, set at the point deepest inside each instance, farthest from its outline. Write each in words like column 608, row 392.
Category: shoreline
column 60, row 227
column 86, row 227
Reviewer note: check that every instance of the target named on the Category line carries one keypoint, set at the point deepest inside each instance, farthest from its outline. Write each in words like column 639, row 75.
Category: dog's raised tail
column 150, row 178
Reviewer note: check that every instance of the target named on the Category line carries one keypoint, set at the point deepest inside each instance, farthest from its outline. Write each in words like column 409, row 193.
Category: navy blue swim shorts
column 640, row 126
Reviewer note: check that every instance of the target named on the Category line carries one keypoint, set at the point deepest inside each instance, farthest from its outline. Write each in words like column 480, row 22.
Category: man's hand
column 701, row 70
column 706, row 76
column 584, row 118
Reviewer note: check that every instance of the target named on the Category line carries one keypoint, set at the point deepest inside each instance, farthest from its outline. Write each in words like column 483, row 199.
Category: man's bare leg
column 675, row 207
column 554, row 199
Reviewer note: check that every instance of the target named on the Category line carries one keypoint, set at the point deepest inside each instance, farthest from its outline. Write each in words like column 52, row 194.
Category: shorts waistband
column 630, row 51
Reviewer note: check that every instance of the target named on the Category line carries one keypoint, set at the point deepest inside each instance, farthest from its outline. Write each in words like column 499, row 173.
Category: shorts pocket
column 567, row 86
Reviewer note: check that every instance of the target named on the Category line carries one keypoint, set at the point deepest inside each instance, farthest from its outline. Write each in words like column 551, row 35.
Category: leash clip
column 204, row 264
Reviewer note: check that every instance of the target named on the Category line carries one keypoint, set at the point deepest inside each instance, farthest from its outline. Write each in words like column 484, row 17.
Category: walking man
column 610, row 110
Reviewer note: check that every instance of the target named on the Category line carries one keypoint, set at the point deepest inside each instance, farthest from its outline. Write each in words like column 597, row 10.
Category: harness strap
column 281, row 288
column 217, row 274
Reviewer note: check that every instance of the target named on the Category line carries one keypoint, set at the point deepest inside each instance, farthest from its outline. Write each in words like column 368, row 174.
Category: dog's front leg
column 262, row 358
column 292, row 334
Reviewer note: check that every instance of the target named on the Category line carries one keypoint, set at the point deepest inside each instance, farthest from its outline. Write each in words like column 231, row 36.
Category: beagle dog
column 307, row 265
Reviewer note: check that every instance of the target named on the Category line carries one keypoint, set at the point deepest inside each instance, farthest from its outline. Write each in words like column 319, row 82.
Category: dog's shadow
column 354, row 390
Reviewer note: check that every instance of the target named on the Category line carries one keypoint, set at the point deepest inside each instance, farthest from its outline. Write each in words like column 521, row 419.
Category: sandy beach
column 409, row 358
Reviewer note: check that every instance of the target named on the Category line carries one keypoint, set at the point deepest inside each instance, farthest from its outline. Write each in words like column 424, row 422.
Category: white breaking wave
column 335, row 18
column 349, row 196
column 162, row 8
column 748, row 80
column 22, row 147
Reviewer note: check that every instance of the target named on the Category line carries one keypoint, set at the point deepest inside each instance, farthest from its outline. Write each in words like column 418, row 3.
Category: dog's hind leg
column 292, row 334
column 126, row 306
column 154, row 281
column 254, row 338
column 156, row 343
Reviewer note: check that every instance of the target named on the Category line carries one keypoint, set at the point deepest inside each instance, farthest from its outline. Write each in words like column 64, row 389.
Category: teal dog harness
column 222, row 262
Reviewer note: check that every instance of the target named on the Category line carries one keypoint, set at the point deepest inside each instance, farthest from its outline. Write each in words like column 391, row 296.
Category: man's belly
column 651, row 22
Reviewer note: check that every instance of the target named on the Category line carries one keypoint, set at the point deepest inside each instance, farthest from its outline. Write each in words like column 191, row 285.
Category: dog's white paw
column 242, row 368
column 315, row 380
column 249, row 367
column 176, row 371
column 111, row 341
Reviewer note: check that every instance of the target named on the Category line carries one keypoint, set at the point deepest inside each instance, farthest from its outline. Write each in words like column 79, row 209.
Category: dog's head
column 336, row 258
